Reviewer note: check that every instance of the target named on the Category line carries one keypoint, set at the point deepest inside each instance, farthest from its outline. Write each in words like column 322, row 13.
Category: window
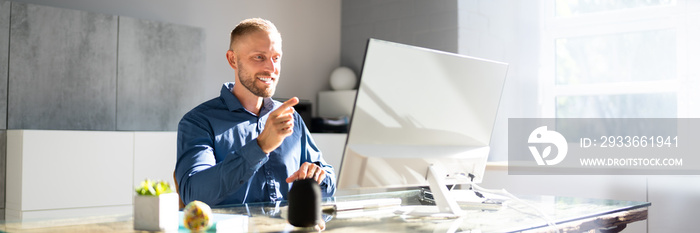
column 619, row 58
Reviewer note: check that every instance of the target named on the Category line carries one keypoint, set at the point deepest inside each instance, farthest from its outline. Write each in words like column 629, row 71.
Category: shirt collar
column 234, row 104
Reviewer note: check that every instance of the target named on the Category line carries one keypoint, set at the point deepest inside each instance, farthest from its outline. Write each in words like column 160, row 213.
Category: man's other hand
column 278, row 126
column 306, row 171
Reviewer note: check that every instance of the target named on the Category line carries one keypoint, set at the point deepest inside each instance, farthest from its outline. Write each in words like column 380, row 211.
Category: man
column 242, row 146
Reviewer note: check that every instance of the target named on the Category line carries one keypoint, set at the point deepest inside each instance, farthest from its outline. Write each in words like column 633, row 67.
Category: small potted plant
column 155, row 207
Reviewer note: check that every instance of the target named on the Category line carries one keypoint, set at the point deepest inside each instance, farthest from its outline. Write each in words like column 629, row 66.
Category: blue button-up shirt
column 220, row 162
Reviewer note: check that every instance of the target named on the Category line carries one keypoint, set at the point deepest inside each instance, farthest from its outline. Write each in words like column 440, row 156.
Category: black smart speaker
column 304, row 200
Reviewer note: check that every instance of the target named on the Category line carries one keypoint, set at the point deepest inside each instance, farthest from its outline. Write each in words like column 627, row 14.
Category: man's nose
column 271, row 65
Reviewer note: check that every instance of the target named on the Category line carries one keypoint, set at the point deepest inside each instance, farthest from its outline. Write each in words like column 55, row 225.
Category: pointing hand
column 279, row 125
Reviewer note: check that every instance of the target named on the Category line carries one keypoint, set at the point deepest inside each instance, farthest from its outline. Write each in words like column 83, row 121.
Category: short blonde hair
column 251, row 25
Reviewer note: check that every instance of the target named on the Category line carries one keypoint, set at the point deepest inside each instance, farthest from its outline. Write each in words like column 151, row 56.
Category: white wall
column 506, row 31
column 310, row 31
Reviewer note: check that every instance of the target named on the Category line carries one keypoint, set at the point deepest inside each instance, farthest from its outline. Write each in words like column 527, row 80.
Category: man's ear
column 231, row 58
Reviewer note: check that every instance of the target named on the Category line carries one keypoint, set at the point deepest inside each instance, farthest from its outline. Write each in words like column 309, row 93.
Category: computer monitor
column 420, row 112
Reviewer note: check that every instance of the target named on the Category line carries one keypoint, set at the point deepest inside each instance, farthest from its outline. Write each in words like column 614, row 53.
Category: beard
column 248, row 81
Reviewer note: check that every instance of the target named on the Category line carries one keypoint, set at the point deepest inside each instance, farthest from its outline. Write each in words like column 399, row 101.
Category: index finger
column 290, row 102
column 287, row 104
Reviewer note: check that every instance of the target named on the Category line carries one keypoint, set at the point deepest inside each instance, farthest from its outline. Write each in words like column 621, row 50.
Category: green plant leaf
column 151, row 188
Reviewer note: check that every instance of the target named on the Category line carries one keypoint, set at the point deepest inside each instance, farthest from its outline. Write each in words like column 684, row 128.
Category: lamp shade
column 343, row 78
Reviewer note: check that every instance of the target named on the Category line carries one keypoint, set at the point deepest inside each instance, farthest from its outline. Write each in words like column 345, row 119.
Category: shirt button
column 240, row 182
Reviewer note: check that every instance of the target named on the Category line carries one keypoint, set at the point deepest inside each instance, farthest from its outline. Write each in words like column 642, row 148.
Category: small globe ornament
column 343, row 78
column 198, row 216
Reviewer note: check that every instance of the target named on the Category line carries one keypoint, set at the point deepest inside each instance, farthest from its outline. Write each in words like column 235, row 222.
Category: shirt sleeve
column 314, row 155
column 198, row 174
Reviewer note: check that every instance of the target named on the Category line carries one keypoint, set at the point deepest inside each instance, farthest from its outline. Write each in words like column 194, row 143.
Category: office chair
column 177, row 190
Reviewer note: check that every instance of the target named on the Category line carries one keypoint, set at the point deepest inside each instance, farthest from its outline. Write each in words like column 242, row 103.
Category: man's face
column 258, row 61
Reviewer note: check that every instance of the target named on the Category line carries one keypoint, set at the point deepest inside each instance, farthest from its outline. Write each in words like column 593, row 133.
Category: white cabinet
column 74, row 174
column 68, row 173
column 155, row 155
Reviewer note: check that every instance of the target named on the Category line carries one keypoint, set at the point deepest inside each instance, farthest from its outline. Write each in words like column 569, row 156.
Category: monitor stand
column 445, row 204
column 443, row 198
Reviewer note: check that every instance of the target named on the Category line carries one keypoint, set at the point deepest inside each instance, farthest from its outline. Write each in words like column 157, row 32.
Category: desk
column 570, row 215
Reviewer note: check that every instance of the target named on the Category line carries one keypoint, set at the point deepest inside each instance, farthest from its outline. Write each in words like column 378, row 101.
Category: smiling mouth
column 266, row 79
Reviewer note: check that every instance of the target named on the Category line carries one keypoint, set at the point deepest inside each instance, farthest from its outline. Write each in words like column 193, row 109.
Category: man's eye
column 259, row 58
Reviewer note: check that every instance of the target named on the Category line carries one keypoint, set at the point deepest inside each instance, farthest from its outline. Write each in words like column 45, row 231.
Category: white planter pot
column 156, row 213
